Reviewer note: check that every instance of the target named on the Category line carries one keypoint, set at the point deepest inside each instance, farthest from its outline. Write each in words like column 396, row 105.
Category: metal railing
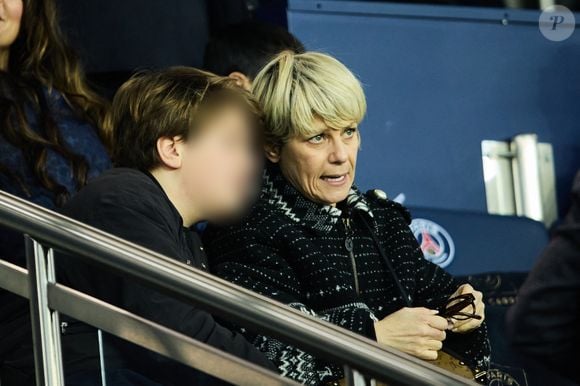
column 46, row 230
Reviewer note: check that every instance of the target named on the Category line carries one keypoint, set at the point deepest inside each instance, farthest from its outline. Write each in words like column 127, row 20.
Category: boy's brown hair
column 168, row 103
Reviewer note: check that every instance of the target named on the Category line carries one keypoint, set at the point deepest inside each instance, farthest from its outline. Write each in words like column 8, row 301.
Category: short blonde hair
column 294, row 89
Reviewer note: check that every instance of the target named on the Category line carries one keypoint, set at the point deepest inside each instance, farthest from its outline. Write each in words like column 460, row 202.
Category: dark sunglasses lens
column 461, row 307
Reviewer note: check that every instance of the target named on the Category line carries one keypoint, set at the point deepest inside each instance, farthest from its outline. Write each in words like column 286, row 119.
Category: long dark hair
column 41, row 60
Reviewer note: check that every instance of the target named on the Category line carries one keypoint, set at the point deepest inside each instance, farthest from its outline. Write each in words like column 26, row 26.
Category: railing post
column 45, row 322
column 354, row 378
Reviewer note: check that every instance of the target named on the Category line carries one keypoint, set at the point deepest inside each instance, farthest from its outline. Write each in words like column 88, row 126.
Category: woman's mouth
column 335, row 179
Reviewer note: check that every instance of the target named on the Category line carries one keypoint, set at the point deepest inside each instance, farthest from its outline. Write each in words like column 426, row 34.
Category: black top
column 132, row 205
column 545, row 321
column 299, row 252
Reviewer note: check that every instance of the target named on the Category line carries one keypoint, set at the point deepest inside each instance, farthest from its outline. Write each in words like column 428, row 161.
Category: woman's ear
column 170, row 151
column 273, row 152
column 241, row 80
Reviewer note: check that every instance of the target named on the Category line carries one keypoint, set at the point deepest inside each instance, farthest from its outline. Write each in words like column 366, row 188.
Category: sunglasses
column 454, row 309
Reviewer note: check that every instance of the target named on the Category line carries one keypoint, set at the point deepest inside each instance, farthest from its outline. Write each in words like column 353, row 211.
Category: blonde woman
column 315, row 242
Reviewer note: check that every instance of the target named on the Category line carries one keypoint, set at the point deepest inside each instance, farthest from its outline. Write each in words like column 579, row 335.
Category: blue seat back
column 468, row 242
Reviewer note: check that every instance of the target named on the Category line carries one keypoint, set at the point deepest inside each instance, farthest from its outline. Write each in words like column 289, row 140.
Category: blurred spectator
column 50, row 145
column 241, row 50
column 545, row 321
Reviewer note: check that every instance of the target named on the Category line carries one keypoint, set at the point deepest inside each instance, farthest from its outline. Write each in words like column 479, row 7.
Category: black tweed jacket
column 322, row 261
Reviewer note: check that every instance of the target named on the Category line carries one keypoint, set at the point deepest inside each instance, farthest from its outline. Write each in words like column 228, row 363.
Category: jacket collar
column 176, row 213
column 277, row 191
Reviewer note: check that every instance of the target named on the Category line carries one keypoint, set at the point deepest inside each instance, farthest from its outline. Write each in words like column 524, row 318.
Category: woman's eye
column 350, row 132
column 316, row 139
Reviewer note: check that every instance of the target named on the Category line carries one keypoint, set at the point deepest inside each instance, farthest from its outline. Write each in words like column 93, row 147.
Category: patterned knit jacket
column 297, row 252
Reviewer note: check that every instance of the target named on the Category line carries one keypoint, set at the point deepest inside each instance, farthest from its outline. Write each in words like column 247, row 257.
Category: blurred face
column 221, row 165
column 321, row 167
column 10, row 17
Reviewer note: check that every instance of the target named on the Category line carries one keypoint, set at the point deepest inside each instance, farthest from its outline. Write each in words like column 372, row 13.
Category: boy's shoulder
column 119, row 187
column 121, row 183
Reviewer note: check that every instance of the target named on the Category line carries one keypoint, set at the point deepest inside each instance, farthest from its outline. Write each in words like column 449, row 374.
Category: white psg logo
column 436, row 243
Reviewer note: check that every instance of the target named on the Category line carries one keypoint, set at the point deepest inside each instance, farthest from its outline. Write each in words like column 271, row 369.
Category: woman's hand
column 463, row 326
column 416, row 331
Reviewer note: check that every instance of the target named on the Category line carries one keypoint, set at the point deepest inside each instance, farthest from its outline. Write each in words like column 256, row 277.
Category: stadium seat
column 467, row 243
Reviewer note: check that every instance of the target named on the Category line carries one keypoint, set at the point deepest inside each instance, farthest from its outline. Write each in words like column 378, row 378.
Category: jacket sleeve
column 143, row 225
column 247, row 257
column 544, row 321
column 433, row 286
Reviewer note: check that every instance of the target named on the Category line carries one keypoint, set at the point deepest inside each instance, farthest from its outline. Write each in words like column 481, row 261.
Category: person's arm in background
column 143, row 225
column 545, row 320
column 244, row 257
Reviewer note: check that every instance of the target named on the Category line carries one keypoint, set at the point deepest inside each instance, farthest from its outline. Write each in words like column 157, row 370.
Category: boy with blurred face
column 206, row 160
column 186, row 145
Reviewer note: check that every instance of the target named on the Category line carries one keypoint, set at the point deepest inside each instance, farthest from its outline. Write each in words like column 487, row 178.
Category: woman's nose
column 338, row 153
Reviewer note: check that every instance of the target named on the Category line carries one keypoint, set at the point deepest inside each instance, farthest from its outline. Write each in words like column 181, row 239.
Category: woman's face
column 10, row 17
column 321, row 167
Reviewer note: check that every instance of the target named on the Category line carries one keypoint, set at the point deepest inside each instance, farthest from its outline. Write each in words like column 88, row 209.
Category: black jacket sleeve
column 545, row 321
column 147, row 225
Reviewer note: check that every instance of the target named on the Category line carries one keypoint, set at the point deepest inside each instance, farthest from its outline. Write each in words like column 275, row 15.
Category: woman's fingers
column 469, row 324
column 466, row 326
column 435, row 345
column 429, row 355
column 416, row 331
column 437, row 323
column 465, row 289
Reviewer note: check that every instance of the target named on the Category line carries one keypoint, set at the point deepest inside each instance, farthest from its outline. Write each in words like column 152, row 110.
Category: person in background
column 51, row 143
column 316, row 243
column 544, row 323
column 241, row 50
column 186, row 146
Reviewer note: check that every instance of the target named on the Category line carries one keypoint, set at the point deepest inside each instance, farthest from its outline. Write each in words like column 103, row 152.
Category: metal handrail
column 142, row 332
column 219, row 297
column 160, row 339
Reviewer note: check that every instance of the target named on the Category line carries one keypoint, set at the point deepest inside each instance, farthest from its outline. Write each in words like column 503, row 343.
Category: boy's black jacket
column 132, row 205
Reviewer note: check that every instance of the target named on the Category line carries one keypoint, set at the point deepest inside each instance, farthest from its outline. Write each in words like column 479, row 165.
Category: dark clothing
column 78, row 135
column 297, row 252
column 119, row 377
column 545, row 321
column 82, row 139
column 132, row 205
